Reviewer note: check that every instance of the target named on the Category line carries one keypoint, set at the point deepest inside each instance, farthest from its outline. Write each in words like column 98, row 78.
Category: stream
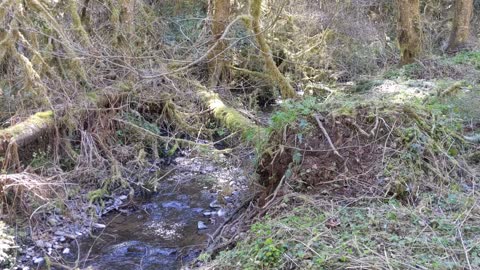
column 170, row 228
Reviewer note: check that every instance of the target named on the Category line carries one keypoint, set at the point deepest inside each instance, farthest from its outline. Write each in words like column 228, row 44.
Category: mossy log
column 22, row 134
column 227, row 116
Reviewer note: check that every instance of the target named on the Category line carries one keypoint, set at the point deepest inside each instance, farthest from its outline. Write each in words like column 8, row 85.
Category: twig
column 325, row 133
column 464, row 249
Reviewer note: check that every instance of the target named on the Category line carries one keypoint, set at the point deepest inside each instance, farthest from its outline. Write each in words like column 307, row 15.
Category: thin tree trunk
column 218, row 64
column 409, row 30
column 286, row 89
column 461, row 25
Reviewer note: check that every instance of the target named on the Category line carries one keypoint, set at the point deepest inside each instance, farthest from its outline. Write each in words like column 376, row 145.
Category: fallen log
column 229, row 117
column 22, row 134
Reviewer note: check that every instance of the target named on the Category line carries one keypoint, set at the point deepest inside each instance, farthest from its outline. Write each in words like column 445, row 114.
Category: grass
column 462, row 66
column 435, row 234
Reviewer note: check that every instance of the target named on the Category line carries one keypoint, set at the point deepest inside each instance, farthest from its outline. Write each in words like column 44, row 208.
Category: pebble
column 52, row 221
column 66, row 251
column 215, row 204
column 123, row 197
column 99, row 226
column 38, row 260
column 201, row 225
column 207, row 214
column 40, row 243
column 221, row 212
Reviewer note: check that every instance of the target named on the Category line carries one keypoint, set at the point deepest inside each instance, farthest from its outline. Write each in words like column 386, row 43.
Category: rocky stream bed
column 166, row 229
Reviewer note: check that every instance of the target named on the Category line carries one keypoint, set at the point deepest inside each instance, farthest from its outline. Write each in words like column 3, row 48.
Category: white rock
column 201, row 225
column 221, row 212
column 99, row 226
column 40, row 243
column 38, row 260
column 66, row 251
column 123, row 197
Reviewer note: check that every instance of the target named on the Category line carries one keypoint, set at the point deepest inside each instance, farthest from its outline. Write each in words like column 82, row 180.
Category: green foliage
column 40, row 159
column 96, row 196
column 406, row 72
column 471, row 58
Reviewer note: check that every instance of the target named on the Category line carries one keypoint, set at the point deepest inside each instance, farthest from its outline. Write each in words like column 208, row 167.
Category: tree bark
column 409, row 30
column 461, row 25
column 286, row 89
column 218, row 64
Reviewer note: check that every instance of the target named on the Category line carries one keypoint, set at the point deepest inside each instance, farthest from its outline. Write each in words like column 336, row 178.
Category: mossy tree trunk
column 286, row 89
column 217, row 60
column 77, row 22
column 461, row 24
column 409, row 30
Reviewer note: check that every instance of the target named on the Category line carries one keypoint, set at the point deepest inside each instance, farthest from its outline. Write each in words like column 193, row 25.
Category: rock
column 66, row 251
column 208, row 213
column 38, row 260
column 48, row 245
column 65, row 235
column 123, row 197
column 215, row 204
column 201, row 225
column 52, row 221
column 40, row 243
column 99, row 226
column 221, row 212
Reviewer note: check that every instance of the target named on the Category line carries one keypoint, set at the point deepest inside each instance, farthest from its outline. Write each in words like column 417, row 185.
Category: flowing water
column 164, row 233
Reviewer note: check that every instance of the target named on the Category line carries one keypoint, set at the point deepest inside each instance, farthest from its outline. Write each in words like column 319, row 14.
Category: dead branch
column 325, row 133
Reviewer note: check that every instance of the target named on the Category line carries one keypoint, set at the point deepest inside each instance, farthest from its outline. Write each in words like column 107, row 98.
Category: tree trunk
column 286, row 89
column 409, row 30
column 77, row 22
column 461, row 25
column 218, row 64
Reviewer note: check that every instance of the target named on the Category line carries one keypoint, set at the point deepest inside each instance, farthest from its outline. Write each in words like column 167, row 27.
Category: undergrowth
column 440, row 233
